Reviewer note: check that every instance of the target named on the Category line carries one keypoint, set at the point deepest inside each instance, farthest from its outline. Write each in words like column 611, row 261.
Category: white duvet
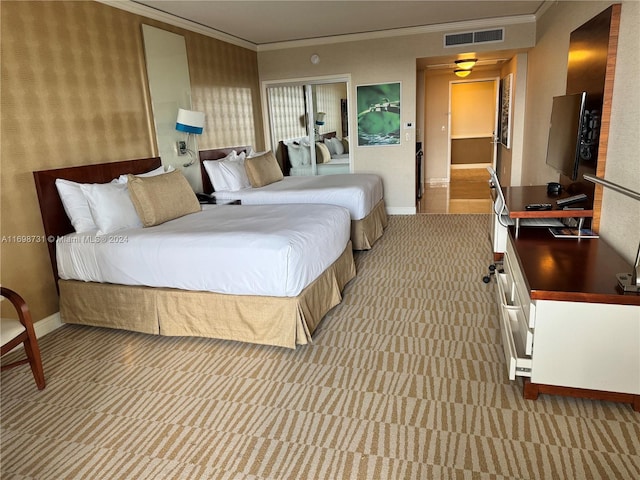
column 274, row 250
column 358, row 192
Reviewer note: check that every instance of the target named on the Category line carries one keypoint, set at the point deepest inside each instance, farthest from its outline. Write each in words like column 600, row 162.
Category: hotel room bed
column 361, row 194
column 231, row 272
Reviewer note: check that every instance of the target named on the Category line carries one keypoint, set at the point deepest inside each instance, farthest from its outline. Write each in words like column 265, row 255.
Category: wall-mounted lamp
column 462, row 73
column 190, row 122
column 320, row 116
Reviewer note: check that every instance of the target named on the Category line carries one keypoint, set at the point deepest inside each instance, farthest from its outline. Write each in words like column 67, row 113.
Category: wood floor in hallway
column 467, row 192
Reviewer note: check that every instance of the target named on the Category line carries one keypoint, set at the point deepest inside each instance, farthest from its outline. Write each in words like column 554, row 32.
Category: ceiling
column 267, row 22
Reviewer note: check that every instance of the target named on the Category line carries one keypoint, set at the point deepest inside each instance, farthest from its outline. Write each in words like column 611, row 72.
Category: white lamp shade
column 190, row 121
column 320, row 118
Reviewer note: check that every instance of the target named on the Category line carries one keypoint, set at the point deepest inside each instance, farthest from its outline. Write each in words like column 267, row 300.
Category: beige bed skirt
column 280, row 321
column 365, row 232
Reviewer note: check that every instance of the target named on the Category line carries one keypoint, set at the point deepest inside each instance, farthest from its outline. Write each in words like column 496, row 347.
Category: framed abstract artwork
column 506, row 92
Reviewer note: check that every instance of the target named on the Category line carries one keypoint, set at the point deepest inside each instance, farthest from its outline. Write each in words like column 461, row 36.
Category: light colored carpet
column 405, row 380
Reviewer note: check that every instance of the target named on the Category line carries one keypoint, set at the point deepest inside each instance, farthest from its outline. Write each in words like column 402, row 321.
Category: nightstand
column 205, row 199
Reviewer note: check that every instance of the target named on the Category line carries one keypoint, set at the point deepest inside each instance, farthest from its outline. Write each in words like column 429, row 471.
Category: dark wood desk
column 570, row 326
column 571, row 270
column 517, row 198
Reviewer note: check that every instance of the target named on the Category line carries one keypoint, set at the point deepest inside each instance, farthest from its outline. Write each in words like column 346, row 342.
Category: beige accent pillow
column 263, row 170
column 323, row 155
column 345, row 144
column 162, row 198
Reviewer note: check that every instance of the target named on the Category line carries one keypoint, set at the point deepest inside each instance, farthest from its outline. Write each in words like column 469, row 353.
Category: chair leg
column 27, row 338
column 492, row 271
column 32, row 350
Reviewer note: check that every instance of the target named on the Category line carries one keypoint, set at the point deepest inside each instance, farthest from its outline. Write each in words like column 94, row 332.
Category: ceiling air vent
column 469, row 38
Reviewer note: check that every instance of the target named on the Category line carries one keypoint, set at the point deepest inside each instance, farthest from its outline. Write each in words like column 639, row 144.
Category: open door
column 474, row 120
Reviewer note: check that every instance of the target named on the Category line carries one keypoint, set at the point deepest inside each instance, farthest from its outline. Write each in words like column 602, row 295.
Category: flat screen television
column 565, row 133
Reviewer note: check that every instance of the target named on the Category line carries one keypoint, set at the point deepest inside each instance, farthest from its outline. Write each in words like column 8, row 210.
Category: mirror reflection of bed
column 298, row 112
column 332, row 156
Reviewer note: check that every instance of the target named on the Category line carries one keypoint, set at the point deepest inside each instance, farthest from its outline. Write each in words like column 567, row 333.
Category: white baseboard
column 438, row 180
column 48, row 324
column 462, row 166
column 44, row 326
column 401, row 210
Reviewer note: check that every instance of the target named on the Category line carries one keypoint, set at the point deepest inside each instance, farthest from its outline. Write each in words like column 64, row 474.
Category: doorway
column 471, row 147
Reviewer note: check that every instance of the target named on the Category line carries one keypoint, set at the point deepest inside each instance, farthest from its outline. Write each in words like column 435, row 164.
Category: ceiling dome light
column 462, row 73
column 466, row 64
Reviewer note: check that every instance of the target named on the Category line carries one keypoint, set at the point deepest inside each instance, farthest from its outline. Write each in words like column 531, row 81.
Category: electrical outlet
column 182, row 147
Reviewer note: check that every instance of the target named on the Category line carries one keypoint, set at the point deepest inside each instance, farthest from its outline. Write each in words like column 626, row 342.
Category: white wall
column 473, row 106
column 382, row 60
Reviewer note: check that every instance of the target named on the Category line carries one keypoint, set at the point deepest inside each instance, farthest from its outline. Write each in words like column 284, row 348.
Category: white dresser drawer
column 521, row 290
column 515, row 336
column 506, row 291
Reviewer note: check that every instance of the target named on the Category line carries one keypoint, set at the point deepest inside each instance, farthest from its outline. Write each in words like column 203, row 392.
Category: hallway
column 468, row 192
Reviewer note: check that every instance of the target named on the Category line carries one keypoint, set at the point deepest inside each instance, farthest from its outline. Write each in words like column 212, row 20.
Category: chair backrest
column 500, row 206
column 15, row 332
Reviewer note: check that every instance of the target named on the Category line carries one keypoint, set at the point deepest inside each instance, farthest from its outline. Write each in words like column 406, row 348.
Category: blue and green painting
column 379, row 114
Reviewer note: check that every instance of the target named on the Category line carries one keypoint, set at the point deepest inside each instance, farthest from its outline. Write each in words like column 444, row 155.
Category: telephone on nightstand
column 206, row 198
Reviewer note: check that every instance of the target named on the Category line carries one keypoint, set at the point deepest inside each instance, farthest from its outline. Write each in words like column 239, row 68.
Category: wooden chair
column 17, row 331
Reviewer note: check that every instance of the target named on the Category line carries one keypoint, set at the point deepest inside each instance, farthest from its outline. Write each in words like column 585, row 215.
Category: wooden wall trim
column 605, row 121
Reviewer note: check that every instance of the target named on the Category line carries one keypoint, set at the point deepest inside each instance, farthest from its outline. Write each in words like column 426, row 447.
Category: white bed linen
column 323, row 169
column 339, row 164
column 358, row 192
column 235, row 249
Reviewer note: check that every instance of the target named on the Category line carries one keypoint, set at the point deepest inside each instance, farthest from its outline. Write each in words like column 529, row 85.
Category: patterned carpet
column 405, row 380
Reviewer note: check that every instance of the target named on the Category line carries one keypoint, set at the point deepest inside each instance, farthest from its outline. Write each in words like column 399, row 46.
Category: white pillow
column 156, row 171
column 296, row 154
column 330, row 145
column 338, row 146
column 235, row 174
column 252, row 153
column 75, row 205
column 212, row 167
column 111, row 206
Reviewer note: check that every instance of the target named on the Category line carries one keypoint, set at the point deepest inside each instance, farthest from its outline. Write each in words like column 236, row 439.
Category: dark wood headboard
column 215, row 154
column 54, row 218
column 282, row 148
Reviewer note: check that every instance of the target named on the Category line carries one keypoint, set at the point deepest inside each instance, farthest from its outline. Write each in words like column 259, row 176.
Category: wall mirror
column 170, row 89
column 301, row 111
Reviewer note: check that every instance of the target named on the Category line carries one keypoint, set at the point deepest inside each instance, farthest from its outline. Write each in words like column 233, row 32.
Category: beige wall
column 547, row 77
column 473, row 106
column 379, row 61
column 74, row 92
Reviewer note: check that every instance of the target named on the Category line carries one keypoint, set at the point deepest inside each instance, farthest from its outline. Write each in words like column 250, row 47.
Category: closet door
column 301, row 116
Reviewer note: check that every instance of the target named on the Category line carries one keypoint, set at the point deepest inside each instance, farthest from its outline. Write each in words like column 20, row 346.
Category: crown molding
column 401, row 32
column 145, row 11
